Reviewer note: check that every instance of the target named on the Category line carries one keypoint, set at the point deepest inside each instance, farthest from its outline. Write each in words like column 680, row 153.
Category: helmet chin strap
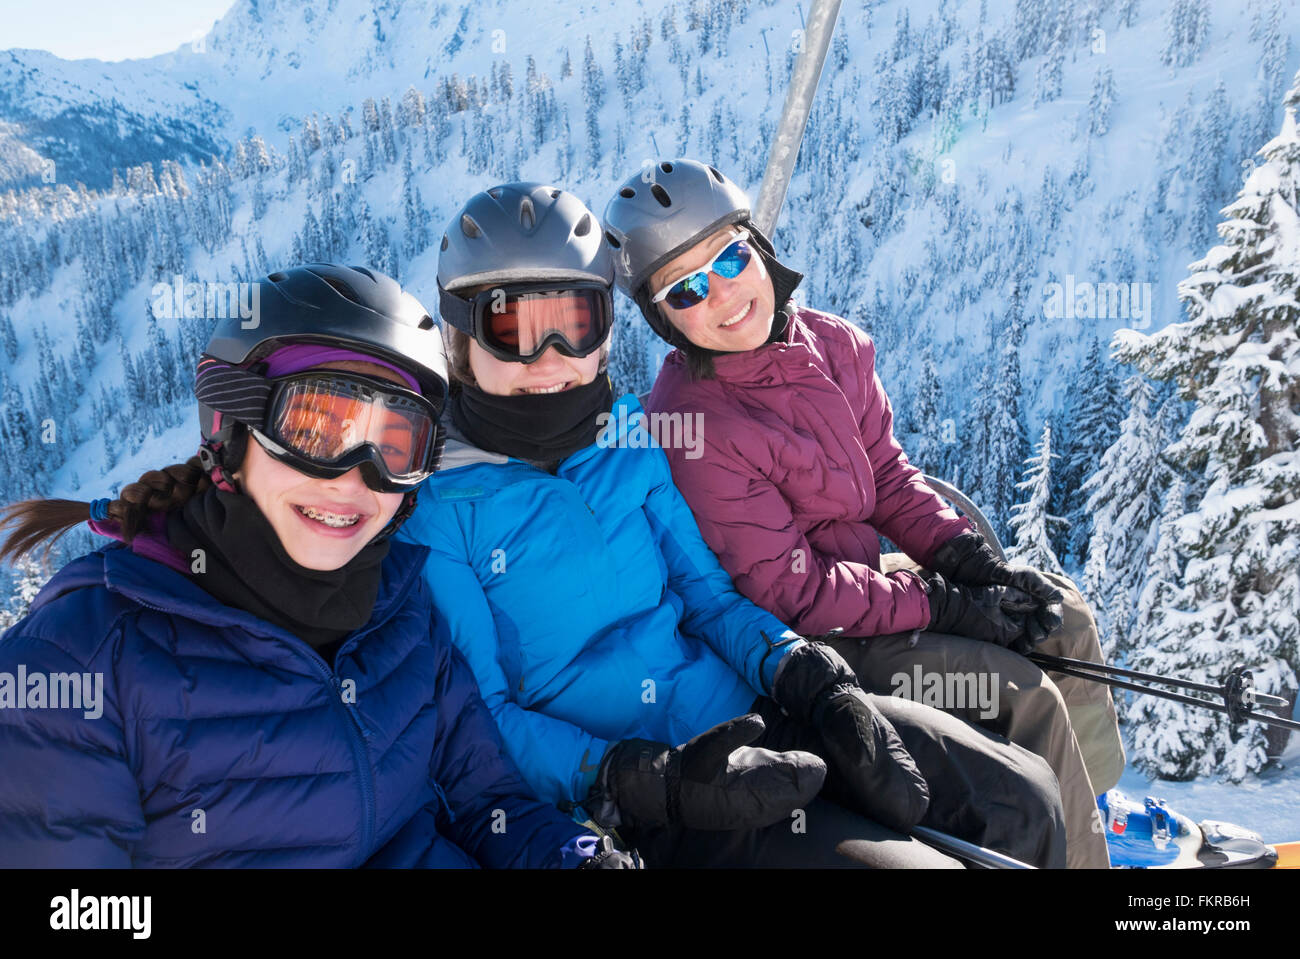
column 227, row 446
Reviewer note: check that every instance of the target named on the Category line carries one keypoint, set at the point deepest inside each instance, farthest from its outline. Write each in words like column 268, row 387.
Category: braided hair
column 35, row 521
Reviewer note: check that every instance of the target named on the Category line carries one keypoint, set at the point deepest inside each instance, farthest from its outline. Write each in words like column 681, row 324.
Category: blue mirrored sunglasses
column 690, row 290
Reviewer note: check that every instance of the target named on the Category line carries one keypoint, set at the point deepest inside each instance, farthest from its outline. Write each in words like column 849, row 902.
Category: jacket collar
column 623, row 421
column 155, row 585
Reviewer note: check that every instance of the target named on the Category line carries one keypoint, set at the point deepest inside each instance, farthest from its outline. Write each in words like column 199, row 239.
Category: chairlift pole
column 794, row 116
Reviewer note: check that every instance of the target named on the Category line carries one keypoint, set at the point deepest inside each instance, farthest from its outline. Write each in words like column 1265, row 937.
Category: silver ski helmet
column 512, row 249
column 522, row 233
column 661, row 212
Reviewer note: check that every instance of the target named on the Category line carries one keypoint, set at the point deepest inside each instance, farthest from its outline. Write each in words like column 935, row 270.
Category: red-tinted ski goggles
column 326, row 422
column 519, row 322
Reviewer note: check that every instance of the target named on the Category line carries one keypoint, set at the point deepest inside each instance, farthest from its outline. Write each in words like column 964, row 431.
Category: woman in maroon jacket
column 794, row 472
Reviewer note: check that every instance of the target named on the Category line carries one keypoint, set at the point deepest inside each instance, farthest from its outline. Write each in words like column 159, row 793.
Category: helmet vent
column 612, row 240
column 627, row 193
column 554, row 194
column 527, row 215
column 426, row 322
column 666, row 167
column 276, row 277
column 584, row 225
column 660, row 194
column 342, row 289
column 469, row 227
column 716, row 175
column 495, row 193
column 445, row 243
column 363, row 271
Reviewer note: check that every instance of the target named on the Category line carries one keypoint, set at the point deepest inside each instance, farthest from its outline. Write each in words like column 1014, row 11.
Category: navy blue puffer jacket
column 222, row 740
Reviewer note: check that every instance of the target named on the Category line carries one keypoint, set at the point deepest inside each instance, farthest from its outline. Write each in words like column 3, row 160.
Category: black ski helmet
column 350, row 307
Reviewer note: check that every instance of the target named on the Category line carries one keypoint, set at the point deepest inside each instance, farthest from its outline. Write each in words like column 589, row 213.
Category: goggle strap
column 457, row 311
column 238, row 393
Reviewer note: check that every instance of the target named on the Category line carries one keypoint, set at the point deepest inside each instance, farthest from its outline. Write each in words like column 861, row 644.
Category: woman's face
column 285, row 496
column 737, row 313
column 552, row 372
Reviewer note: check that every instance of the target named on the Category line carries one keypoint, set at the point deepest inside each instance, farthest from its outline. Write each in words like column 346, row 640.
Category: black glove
column 871, row 769
column 607, row 857
column 715, row 781
column 994, row 614
column 968, row 560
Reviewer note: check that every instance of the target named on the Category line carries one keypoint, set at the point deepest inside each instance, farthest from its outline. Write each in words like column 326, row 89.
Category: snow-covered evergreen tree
column 1187, row 25
column 928, row 450
column 1160, row 588
column 1032, row 519
column 1101, row 102
column 1124, row 502
column 1090, row 424
column 32, row 574
column 1237, row 359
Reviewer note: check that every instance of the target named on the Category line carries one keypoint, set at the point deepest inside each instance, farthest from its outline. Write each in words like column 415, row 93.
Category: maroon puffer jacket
column 797, row 471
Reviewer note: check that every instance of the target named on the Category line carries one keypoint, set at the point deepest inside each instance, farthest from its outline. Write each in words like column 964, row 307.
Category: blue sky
column 106, row 29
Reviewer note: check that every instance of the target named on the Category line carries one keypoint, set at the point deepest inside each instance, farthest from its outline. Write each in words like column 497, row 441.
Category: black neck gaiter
column 247, row 567
column 548, row 426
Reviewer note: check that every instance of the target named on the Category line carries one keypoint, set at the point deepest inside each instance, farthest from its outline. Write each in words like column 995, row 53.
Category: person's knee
column 1039, row 799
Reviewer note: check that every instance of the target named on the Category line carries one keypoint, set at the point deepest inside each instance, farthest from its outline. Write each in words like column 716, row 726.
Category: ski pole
column 1238, row 691
column 980, row 855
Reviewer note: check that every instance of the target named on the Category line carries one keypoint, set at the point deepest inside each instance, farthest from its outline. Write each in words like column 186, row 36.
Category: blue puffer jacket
column 227, row 741
column 587, row 603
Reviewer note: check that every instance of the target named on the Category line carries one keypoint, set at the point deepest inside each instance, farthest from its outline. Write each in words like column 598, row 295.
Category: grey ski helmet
column 662, row 211
column 349, row 307
column 522, row 233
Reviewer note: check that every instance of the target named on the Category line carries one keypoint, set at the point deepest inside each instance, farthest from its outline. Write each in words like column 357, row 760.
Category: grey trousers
column 1069, row 722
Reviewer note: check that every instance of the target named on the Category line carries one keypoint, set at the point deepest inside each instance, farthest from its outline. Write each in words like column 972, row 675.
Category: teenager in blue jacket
column 257, row 679
column 603, row 631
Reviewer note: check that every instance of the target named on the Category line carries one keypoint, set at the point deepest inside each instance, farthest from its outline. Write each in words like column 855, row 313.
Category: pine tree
column 1051, row 72
column 1032, row 521
column 9, row 338
column 1276, row 52
column 593, row 78
column 1237, row 359
column 1100, row 103
column 1123, row 499
column 1090, row 425
column 1008, row 442
column 1210, row 145
column 928, row 450
column 1161, row 584
column 1187, row 25
column 33, row 574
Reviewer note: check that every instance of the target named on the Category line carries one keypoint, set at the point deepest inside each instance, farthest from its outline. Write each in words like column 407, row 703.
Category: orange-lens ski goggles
column 325, row 423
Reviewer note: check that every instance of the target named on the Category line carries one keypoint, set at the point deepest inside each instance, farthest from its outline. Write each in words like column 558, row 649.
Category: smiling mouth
column 748, row 308
column 332, row 520
column 553, row 388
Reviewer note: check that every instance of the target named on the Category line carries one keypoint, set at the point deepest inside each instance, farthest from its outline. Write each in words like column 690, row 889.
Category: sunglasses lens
column 693, row 289
column 689, row 291
column 733, row 261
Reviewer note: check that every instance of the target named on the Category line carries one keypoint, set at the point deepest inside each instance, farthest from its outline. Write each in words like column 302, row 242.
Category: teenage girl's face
column 737, row 314
column 285, row 496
